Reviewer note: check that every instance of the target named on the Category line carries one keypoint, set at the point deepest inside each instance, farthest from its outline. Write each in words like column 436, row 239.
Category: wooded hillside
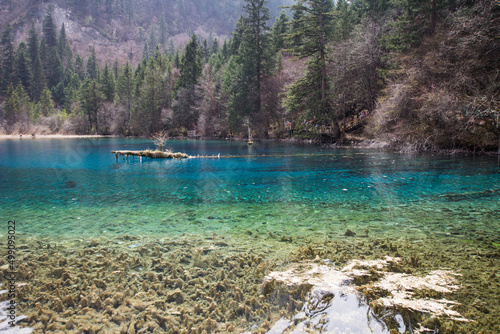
column 414, row 74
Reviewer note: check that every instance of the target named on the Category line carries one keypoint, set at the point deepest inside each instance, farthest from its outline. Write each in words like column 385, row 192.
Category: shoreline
column 350, row 143
column 55, row 136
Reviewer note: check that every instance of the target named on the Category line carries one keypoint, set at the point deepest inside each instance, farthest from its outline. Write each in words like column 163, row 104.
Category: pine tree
column 92, row 68
column 163, row 32
column 279, row 30
column 46, row 104
column 236, row 95
column 129, row 9
column 154, row 96
column 235, row 41
column 145, row 50
column 49, row 29
column 38, row 82
column 215, row 46
column 345, row 20
column 80, row 67
column 18, row 109
column 416, row 18
column 6, row 58
column 90, row 98
column 22, row 67
column 153, row 42
column 116, row 68
column 253, row 58
column 33, row 43
column 64, row 49
column 190, row 64
column 11, row 106
column 309, row 40
column 71, row 89
column 125, row 89
column 53, row 67
column 108, row 84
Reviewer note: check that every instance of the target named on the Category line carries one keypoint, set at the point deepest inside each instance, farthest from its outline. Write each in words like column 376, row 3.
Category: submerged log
column 151, row 154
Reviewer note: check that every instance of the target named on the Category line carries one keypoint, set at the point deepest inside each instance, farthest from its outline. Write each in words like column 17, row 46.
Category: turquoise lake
column 62, row 188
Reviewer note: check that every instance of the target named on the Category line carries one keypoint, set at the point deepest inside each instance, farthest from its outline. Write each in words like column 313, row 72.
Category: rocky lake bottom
column 278, row 239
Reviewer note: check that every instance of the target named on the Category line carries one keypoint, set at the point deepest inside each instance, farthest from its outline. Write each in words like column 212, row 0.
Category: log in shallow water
column 151, row 154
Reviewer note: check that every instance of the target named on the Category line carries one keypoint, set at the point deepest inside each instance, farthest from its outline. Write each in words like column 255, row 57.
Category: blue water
column 69, row 187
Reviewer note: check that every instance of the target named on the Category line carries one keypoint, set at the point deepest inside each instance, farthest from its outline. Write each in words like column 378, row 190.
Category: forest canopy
column 415, row 74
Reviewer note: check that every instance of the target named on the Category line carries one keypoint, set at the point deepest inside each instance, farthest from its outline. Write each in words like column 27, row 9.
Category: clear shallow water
column 73, row 187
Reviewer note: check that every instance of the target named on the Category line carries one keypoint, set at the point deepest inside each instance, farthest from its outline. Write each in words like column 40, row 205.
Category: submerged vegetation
column 424, row 74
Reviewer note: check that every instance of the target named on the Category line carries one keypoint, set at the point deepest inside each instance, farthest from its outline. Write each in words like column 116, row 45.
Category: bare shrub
column 53, row 122
column 160, row 139
column 75, row 124
column 119, row 120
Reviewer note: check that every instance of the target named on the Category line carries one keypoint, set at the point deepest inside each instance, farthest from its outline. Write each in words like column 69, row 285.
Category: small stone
column 84, row 302
column 176, row 296
column 69, row 301
column 349, row 233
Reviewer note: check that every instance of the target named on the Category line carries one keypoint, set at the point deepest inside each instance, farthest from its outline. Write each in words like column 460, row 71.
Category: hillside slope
column 119, row 28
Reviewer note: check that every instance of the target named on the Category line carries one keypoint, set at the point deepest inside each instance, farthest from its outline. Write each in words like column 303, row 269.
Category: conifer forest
column 413, row 74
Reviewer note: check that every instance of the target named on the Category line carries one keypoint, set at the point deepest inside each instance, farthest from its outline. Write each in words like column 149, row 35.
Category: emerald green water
column 62, row 188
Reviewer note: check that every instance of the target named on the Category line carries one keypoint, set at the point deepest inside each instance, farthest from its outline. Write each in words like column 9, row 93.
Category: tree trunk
column 433, row 17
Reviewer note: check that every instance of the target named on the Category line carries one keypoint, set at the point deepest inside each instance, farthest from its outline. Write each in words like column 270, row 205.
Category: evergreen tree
column 205, row 51
column 108, row 84
column 33, row 43
column 49, row 29
column 38, row 82
column 254, row 60
column 415, row 19
column 279, row 30
column 64, row 49
column 215, row 46
column 163, row 32
column 153, row 41
column 80, row 67
column 18, row 108
column 185, row 88
column 90, row 98
column 235, row 41
column 145, row 50
column 92, row 68
column 125, row 89
column 129, row 6
column 11, row 106
column 177, row 59
column 22, row 67
column 71, row 89
column 190, row 64
column 116, row 68
column 46, row 104
column 7, row 58
column 346, row 19
column 236, row 95
column 53, row 67
column 153, row 96
column 309, row 40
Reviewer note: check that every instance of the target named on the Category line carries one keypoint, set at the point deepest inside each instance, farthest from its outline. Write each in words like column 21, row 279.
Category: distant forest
column 422, row 74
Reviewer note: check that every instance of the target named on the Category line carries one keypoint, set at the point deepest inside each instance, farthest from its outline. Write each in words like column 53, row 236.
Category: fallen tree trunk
column 151, row 154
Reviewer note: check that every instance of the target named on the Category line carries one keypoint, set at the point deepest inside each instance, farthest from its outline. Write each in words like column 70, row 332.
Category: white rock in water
column 280, row 326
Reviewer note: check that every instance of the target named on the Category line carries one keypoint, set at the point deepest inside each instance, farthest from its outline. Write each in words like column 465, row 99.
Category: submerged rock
column 349, row 233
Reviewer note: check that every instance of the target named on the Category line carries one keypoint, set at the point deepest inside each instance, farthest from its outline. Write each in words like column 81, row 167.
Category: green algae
column 214, row 282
